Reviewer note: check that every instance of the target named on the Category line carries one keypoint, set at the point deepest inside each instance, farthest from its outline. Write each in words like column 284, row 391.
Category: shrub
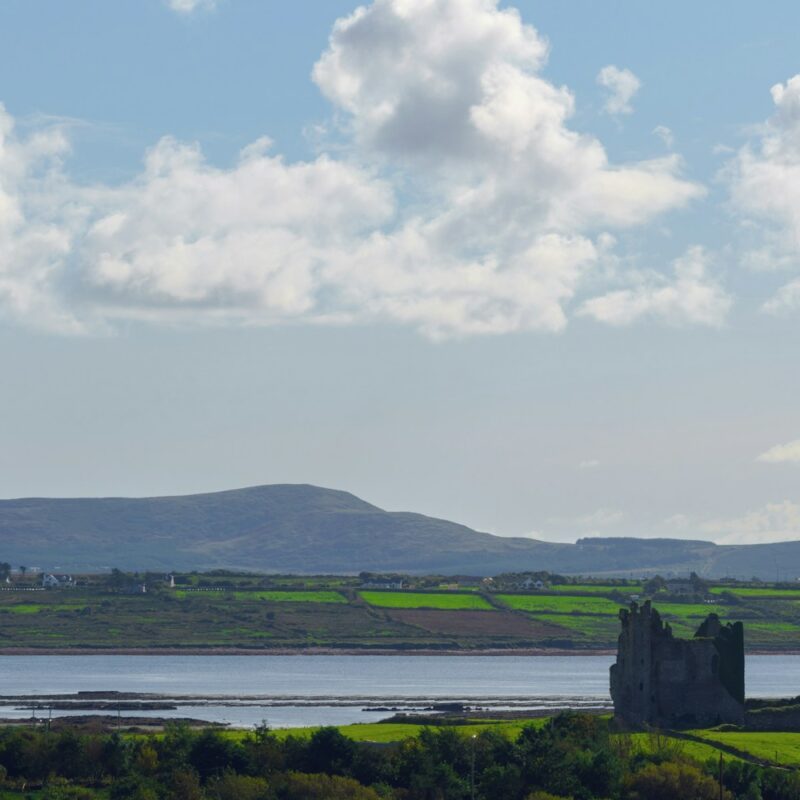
column 671, row 780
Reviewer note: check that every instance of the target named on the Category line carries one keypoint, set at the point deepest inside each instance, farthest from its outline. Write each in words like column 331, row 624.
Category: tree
column 118, row 579
column 5, row 570
column 671, row 780
column 654, row 585
column 23, row 570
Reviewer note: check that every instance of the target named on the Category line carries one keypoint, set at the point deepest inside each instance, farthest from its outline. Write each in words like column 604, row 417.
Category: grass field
column 691, row 611
column 594, row 588
column 558, row 604
column 292, row 597
column 594, row 627
column 277, row 596
column 648, row 743
column 449, row 601
column 788, row 594
column 37, row 608
column 313, row 612
column 779, row 748
column 397, row 731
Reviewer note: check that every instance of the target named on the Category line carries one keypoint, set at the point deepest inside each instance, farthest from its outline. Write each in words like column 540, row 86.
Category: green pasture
column 558, row 604
column 668, row 745
column 397, row 731
column 602, row 628
column 37, row 608
column 293, row 596
column 277, row 596
column 784, row 594
column 777, row 747
column 691, row 611
column 593, row 588
column 449, row 601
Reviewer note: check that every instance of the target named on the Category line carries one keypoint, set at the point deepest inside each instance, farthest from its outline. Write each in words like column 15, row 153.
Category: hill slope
column 307, row 529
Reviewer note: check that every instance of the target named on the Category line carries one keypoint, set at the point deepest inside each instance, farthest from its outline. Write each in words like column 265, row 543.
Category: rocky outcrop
column 660, row 680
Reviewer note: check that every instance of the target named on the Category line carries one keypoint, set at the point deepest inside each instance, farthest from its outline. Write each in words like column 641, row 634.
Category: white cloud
column 190, row 6
column 782, row 453
column 504, row 220
column 37, row 226
column 690, row 297
column 764, row 180
column 622, row 85
column 775, row 522
column 591, row 463
column 665, row 134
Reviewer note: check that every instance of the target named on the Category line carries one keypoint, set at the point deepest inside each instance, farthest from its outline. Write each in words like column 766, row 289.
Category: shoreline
column 321, row 651
column 291, row 651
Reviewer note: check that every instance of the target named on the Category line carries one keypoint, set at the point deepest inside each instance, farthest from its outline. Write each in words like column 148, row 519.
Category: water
column 299, row 690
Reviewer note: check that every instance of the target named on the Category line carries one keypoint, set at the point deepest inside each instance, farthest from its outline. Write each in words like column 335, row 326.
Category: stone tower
column 661, row 680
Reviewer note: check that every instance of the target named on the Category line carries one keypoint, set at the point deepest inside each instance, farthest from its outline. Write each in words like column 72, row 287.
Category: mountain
column 307, row 529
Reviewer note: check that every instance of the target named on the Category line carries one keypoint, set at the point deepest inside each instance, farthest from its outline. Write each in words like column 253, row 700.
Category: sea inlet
column 304, row 690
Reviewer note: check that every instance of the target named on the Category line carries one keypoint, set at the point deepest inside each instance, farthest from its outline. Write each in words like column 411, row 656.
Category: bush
column 301, row 786
column 238, row 787
column 672, row 780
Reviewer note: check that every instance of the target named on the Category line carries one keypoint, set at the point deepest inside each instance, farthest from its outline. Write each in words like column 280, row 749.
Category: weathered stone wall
column 661, row 680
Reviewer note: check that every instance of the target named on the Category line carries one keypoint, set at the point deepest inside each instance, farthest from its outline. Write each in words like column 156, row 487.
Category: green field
column 445, row 601
column 788, row 594
column 277, row 596
column 777, row 747
column 292, row 597
column 397, row 731
column 37, row 608
column 559, row 604
column 593, row 588
column 649, row 743
column 590, row 627
column 272, row 612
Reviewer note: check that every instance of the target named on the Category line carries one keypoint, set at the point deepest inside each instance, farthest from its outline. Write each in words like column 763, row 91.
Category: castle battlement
column 659, row 679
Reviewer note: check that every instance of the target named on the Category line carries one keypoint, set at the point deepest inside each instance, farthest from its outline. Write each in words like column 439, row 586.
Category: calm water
column 318, row 690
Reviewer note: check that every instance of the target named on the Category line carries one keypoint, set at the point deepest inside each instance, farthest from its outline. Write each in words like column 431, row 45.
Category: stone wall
column 662, row 680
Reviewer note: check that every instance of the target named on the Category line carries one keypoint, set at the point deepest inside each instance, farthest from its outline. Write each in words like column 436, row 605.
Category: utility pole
column 472, row 770
column 720, row 777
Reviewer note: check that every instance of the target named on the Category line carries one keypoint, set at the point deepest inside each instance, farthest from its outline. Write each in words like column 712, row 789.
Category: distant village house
column 56, row 581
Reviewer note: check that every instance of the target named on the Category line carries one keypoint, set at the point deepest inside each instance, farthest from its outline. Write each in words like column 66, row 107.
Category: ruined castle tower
column 661, row 680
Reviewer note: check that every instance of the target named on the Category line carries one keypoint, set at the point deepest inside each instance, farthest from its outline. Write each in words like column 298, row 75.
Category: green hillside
column 307, row 529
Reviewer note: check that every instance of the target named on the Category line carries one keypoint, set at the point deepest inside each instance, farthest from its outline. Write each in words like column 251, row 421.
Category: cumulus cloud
column 189, row 6
column 774, row 522
column 622, row 85
column 782, row 453
column 504, row 220
column 691, row 296
column 38, row 220
column 764, row 180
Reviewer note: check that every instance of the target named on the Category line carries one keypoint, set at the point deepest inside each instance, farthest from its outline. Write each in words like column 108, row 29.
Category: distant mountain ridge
column 307, row 529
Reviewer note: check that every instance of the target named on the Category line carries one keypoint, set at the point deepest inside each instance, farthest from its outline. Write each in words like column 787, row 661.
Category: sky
column 533, row 267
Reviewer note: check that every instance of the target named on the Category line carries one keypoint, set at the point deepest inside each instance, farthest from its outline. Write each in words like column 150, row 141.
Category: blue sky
column 532, row 267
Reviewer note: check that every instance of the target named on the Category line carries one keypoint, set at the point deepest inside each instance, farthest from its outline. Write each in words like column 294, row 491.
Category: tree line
column 571, row 756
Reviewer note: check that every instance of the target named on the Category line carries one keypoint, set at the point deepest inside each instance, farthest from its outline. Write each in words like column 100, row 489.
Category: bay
column 300, row 690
